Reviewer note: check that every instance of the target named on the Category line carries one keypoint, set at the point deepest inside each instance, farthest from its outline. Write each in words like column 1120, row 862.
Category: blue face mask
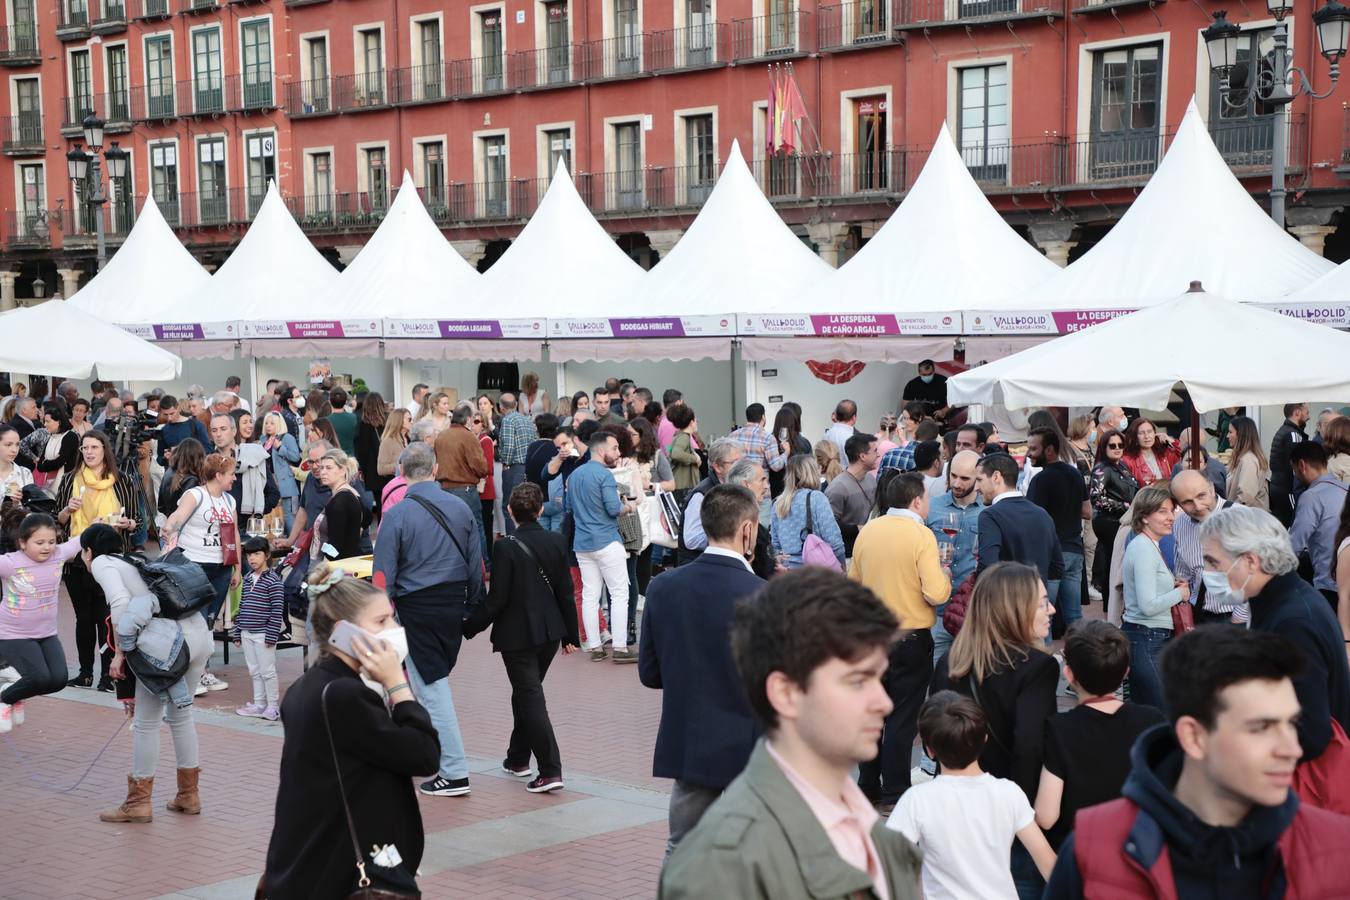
column 1092, row 436
column 926, row 379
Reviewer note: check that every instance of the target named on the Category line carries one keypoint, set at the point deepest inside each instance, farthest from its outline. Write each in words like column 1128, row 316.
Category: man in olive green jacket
column 811, row 648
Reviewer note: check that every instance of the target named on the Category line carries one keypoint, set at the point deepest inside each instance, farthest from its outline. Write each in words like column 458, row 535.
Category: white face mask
column 397, row 638
column 1122, row 424
column 1217, row 583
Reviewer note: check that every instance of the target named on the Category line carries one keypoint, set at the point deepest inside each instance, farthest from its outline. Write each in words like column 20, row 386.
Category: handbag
column 1183, row 618
column 815, row 550
column 659, row 530
column 398, row 883
column 229, row 543
column 630, row 532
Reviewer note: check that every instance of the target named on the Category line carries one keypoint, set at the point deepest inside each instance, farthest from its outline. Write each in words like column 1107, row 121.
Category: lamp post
column 1276, row 87
column 85, row 168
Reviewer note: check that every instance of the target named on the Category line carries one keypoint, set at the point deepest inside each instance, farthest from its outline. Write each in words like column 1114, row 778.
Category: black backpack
column 180, row 585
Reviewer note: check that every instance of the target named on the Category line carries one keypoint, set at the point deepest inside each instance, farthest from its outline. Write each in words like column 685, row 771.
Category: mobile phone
column 782, row 434
column 342, row 635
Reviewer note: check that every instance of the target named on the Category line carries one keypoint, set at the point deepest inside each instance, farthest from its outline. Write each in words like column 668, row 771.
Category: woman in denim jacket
column 787, row 524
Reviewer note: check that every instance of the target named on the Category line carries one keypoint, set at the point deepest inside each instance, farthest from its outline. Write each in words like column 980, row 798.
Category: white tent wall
column 209, row 373
column 706, row 384
column 876, row 390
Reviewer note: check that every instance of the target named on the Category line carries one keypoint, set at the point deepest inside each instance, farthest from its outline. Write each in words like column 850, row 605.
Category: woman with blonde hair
column 788, row 524
column 1248, row 469
column 284, row 452
column 340, row 524
column 393, row 442
column 827, row 461
column 436, row 408
column 998, row 659
column 533, row 399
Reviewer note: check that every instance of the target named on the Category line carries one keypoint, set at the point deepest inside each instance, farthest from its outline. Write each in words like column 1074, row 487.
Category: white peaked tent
column 945, row 248
column 148, row 280
column 1325, row 301
column 1081, row 368
column 60, row 339
column 1193, row 219
column 407, row 269
column 738, row 256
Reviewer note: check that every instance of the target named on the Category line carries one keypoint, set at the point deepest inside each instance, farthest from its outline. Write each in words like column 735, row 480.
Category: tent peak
column 1195, row 288
column 561, row 169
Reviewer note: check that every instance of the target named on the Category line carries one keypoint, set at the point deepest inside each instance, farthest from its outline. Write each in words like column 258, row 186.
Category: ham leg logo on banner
column 835, row 371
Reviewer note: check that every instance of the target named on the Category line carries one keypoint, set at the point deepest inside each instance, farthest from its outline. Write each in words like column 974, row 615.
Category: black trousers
column 532, row 733
column 41, row 664
column 1105, row 528
column 91, row 617
column 885, row 778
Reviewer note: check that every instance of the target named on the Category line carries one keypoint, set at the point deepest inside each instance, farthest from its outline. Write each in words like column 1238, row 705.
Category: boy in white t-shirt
column 965, row 819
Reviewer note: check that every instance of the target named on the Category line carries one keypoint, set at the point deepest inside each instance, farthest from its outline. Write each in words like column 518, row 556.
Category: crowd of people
column 853, row 637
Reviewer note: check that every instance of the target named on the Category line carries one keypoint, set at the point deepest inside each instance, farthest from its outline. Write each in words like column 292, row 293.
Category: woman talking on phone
column 354, row 738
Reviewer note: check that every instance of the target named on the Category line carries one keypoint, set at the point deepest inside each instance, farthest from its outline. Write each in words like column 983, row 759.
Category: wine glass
column 277, row 528
column 951, row 525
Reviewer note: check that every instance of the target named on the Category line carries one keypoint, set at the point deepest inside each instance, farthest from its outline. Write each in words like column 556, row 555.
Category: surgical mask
column 926, row 379
column 1122, row 424
column 299, row 402
column 398, row 639
column 1217, row 583
column 1092, row 436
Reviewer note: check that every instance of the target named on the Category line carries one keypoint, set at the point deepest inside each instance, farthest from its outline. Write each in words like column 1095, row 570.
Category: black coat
column 706, row 732
column 310, row 853
column 523, row 610
column 1281, row 474
column 1017, row 530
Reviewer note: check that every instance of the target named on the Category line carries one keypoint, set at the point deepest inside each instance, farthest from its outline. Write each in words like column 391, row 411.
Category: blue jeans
column 1146, row 646
column 942, row 639
column 511, row 477
column 1026, row 877
column 1068, row 599
column 288, row 510
column 219, row 576
column 440, row 706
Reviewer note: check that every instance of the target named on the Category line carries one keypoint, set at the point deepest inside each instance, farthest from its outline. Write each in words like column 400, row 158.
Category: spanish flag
column 786, row 109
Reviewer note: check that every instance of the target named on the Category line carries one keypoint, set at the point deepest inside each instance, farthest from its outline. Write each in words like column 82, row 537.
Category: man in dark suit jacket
column 1012, row 528
column 707, row 731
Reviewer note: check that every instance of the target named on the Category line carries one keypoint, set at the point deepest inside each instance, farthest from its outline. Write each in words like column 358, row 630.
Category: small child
column 31, row 584
column 1087, row 749
column 257, row 628
column 965, row 819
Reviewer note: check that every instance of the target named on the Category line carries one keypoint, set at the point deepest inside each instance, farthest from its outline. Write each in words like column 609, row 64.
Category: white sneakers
column 10, row 715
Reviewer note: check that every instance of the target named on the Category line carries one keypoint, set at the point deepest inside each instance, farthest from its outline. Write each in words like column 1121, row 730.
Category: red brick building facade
column 1061, row 109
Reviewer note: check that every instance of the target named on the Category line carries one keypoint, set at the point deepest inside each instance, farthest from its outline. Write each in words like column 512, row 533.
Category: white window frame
column 543, row 151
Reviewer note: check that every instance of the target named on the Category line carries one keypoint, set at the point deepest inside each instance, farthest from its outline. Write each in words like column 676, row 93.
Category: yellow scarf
column 97, row 501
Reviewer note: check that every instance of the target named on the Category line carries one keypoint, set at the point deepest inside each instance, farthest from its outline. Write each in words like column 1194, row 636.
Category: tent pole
column 253, row 378
column 1195, row 437
column 397, row 397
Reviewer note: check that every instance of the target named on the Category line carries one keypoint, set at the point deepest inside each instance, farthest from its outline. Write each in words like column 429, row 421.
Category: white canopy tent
column 60, row 339
column 1086, row 368
column 1325, row 301
column 943, row 250
column 1193, row 219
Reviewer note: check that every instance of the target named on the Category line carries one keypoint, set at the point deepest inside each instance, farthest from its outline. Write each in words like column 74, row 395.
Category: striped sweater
column 262, row 607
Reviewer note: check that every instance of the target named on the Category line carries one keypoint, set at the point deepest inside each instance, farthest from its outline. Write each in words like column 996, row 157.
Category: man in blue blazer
column 1012, row 528
column 707, row 730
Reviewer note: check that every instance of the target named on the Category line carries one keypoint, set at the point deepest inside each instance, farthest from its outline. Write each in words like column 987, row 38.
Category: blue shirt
column 171, row 434
column 593, row 498
column 901, row 458
column 967, row 538
column 788, row 535
column 1315, row 521
column 414, row 552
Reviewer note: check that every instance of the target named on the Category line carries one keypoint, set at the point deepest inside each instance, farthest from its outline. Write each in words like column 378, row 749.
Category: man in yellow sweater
column 896, row 555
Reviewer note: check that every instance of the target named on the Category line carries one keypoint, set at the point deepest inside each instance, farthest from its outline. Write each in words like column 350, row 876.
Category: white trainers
column 6, row 718
column 9, row 673
column 16, row 712
column 212, row 683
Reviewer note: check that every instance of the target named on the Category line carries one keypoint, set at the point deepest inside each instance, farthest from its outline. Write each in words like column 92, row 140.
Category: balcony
column 369, row 90
column 21, row 135
column 1095, row 6
column 113, row 107
column 154, row 102
column 31, row 229
column 154, row 9
column 849, row 26
column 421, row 84
column 73, row 21
column 195, row 7
column 923, row 14
column 478, row 75
column 253, row 92
column 619, row 57
column 694, row 47
column 770, row 37
column 112, row 19
column 312, row 97
column 205, row 96
column 19, row 46
column 80, row 231
column 342, row 211
column 548, row 66
column 73, row 113
column 305, row 2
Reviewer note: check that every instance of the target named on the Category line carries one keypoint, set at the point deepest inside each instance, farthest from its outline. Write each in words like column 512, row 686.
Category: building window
column 371, row 83
column 627, row 38
column 490, row 39
column 321, row 180
column 212, row 197
column 781, row 36
column 628, row 166
column 432, row 81
column 77, row 12
column 871, row 161
column 208, row 80
column 377, row 178
column 164, row 180
column 24, row 34
column 433, row 176
column 262, row 168
column 33, row 221
column 494, row 175
column 559, row 144
column 121, row 196
column 1126, row 84
column 256, row 38
column 159, row 77
column 982, row 121
column 700, row 158
column 559, row 65
column 315, row 95
column 28, row 95
column 82, row 87
column 119, row 92
column 700, row 28
column 1243, row 131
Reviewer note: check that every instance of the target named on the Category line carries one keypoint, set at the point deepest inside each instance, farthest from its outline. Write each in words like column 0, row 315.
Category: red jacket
column 1121, row 856
column 1167, row 456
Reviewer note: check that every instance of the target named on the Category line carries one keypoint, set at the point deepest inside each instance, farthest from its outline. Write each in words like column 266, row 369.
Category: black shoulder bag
column 470, row 603
column 534, row 559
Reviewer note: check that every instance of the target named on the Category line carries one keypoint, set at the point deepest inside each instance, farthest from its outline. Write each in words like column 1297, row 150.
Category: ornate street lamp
column 85, row 171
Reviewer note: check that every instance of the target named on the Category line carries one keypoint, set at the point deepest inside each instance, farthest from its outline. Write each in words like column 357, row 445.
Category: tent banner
column 186, row 331
column 849, row 324
column 464, row 329
column 1045, row 321
column 313, row 328
column 643, row 327
column 1337, row 315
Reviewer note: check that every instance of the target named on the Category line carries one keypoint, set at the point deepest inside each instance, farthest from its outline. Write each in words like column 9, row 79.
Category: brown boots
column 187, row 800
column 136, row 808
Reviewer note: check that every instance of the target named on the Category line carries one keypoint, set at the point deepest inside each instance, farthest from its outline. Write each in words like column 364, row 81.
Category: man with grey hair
column 751, row 475
column 1112, row 417
column 1196, row 500
column 1325, row 415
column 1247, row 555
column 430, row 561
column 722, row 455
column 223, row 403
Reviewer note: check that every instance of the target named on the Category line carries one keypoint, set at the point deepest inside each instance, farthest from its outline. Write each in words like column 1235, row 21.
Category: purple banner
column 659, row 327
column 855, row 324
column 1077, row 320
column 315, row 329
column 181, row 331
column 470, row 328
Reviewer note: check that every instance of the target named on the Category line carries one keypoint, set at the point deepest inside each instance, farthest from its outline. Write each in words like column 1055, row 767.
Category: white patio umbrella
column 1223, row 352
column 55, row 338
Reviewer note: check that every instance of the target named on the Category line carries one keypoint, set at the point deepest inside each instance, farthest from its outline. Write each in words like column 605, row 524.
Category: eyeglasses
column 1115, row 446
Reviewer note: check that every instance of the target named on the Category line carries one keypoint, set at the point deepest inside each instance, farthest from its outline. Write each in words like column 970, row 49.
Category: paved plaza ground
column 602, row 837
